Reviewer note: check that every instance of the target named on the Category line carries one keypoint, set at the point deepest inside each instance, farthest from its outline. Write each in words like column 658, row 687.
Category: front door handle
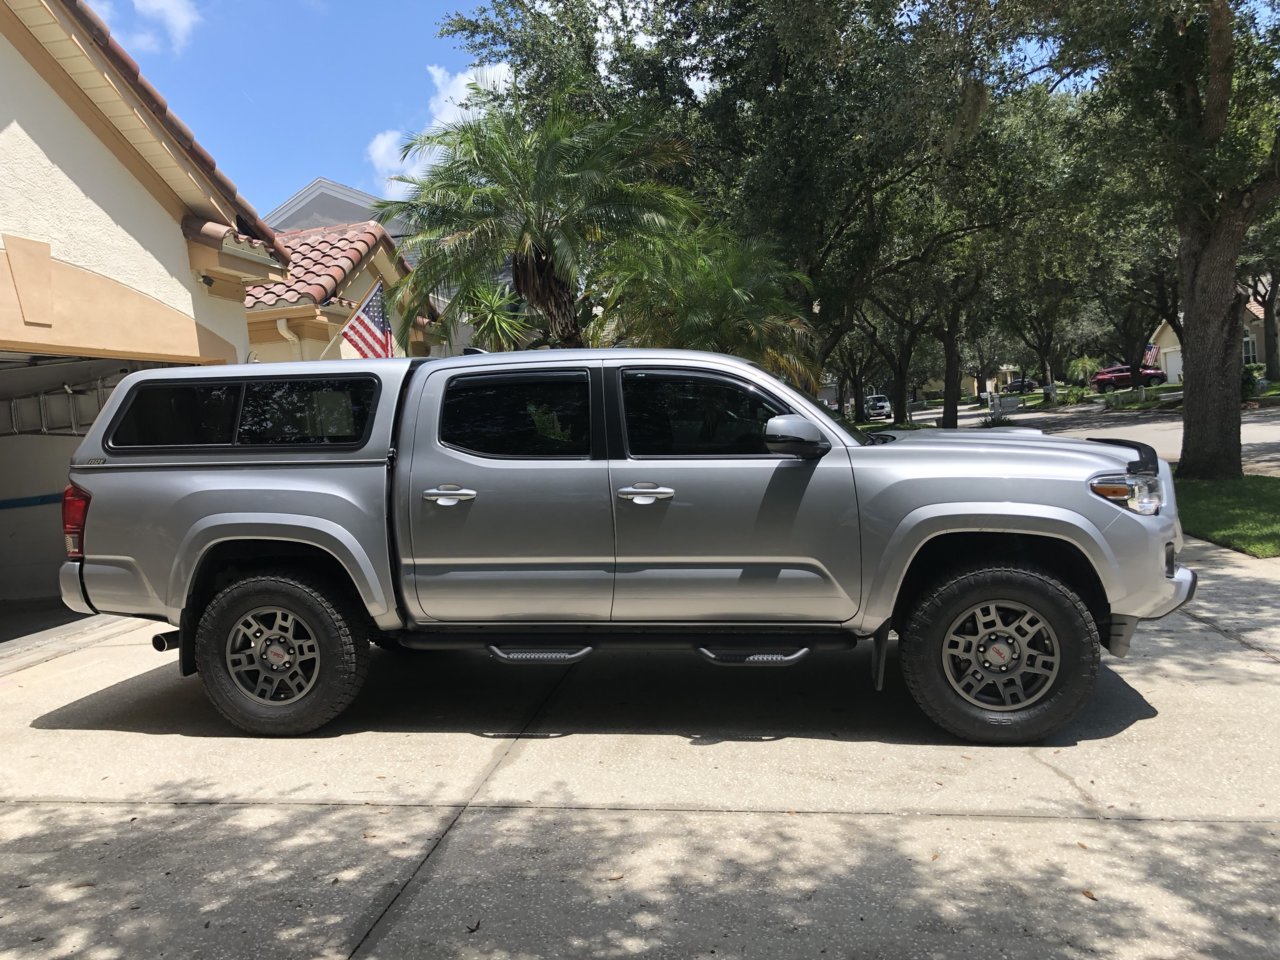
column 646, row 493
column 448, row 495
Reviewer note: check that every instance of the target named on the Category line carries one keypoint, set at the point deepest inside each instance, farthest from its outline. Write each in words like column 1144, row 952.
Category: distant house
column 1170, row 350
column 122, row 245
column 327, row 203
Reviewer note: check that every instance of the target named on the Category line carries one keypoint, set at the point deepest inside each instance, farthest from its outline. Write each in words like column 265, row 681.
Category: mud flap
column 879, row 653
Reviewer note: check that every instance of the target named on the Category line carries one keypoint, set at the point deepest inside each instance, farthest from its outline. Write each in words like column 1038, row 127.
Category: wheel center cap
column 1000, row 653
column 276, row 654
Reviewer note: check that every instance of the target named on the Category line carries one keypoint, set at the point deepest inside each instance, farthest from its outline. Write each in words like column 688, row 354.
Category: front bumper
column 1183, row 583
column 1181, row 589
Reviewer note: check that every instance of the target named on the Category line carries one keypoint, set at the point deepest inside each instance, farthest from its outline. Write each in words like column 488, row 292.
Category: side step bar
column 540, row 656
column 751, row 658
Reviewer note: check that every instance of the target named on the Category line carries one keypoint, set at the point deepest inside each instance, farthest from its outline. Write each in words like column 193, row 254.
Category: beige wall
column 62, row 187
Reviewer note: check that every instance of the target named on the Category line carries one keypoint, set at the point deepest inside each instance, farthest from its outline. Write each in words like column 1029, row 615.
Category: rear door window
column 534, row 414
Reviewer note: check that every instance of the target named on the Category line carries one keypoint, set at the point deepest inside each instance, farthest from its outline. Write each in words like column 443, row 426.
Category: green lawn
column 1241, row 514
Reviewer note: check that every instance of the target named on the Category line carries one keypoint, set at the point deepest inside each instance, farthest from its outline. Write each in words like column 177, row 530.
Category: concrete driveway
column 647, row 807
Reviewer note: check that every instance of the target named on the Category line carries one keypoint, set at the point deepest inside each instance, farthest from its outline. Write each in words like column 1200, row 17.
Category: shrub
column 996, row 420
column 1249, row 375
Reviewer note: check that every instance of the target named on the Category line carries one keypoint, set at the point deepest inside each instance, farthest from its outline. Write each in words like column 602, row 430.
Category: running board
column 540, row 656
column 750, row 658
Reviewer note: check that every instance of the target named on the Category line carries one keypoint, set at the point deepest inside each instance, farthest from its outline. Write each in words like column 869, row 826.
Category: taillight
column 75, row 507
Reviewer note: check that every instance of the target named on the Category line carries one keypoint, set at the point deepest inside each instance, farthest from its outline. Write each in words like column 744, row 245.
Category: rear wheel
column 1153, row 381
column 279, row 654
column 1000, row 654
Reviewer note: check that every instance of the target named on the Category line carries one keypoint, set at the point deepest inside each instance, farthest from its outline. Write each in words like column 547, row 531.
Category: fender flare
column 934, row 520
column 325, row 535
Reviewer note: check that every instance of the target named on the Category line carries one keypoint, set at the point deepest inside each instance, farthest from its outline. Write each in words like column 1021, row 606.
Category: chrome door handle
column 644, row 494
column 448, row 495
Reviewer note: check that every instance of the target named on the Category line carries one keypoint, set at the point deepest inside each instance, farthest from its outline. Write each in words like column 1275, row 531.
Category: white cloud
column 141, row 41
column 106, row 10
column 177, row 17
column 447, row 105
column 141, row 33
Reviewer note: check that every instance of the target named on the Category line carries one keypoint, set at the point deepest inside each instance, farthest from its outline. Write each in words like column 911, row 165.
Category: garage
column 46, row 404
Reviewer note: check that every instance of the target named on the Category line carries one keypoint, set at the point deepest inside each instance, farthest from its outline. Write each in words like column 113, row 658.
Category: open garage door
column 46, row 404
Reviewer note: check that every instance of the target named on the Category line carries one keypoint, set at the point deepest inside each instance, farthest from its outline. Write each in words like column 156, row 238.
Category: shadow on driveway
column 828, row 697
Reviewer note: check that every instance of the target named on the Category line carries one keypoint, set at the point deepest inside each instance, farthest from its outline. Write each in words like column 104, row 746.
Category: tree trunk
column 1213, row 304
column 901, row 378
column 951, row 371
column 859, row 398
column 1270, row 336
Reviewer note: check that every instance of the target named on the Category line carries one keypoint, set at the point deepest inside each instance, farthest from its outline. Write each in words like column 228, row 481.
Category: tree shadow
column 288, row 880
column 827, row 697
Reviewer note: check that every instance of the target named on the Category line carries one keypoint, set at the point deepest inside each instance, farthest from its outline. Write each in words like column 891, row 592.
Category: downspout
column 282, row 326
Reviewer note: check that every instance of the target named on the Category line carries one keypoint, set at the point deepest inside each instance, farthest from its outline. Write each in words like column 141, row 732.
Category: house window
column 1250, row 347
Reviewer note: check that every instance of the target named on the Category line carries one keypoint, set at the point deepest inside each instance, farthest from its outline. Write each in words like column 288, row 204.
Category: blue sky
column 284, row 91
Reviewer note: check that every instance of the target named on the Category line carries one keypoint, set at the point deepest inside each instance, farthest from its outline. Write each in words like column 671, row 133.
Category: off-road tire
column 339, row 631
column 920, row 650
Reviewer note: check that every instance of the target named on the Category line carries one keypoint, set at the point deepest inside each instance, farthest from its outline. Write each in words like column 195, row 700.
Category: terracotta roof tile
column 320, row 261
column 1255, row 308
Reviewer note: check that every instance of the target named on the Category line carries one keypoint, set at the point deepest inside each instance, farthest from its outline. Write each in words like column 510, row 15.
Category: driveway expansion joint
column 535, row 716
column 1227, row 634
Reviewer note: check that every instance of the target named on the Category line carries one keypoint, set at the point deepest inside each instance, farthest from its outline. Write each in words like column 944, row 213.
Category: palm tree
column 542, row 199
column 706, row 289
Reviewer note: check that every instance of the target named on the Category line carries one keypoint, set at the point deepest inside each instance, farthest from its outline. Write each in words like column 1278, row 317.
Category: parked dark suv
column 1020, row 386
column 1119, row 378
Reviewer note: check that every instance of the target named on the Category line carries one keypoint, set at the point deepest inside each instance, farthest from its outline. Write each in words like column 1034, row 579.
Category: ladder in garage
column 64, row 412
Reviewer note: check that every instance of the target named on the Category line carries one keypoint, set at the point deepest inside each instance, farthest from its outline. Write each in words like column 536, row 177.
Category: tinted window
column 292, row 412
column 519, row 415
column 677, row 415
column 179, row 415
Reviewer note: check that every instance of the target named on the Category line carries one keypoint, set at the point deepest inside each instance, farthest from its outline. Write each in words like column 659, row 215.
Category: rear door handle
column 644, row 494
column 448, row 495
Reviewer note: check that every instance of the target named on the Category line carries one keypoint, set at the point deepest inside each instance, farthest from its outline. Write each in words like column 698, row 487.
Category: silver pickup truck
column 544, row 505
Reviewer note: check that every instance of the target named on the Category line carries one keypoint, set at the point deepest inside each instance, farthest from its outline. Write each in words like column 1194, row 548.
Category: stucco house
column 121, row 245
column 332, row 269
column 1170, row 350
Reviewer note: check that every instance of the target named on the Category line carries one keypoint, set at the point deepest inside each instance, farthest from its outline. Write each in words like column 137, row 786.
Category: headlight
column 1137, row 492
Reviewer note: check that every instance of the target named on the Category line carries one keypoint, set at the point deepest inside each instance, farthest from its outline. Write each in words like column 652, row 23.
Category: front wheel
column 1000, row 655
column 280, row 654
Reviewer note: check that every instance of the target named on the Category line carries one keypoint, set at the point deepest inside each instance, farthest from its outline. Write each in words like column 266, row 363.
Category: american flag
column 368, row 331
column 1152, row 355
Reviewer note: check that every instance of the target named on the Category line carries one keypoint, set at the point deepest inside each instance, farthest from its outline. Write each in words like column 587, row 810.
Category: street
column 647, row 806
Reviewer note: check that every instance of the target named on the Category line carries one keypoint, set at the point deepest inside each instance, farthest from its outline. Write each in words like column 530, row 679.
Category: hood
column 1019, row 443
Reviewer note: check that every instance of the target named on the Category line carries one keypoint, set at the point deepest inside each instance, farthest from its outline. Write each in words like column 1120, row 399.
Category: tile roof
column 1255, row 308
column 320, row 261
column 248, row 221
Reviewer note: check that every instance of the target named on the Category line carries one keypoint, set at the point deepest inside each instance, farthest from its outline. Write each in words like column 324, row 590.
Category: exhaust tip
column 163, row 642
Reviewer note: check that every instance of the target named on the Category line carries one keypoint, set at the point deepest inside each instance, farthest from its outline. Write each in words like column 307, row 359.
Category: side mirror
column 795, row 436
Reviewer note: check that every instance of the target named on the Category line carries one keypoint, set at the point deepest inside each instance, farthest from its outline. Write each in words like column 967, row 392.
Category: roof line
column 131, row 73
column 319, row 185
